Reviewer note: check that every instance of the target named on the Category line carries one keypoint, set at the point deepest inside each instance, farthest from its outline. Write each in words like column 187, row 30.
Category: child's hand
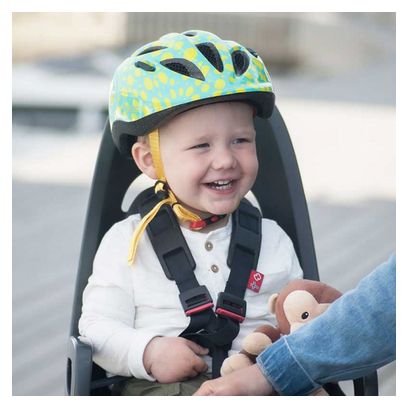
column 171, row 359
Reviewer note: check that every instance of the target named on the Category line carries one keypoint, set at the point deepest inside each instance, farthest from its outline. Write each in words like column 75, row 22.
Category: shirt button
column 215, row 268
column 208, row 246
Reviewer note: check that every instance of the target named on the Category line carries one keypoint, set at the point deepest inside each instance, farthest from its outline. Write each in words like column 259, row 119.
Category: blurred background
column 334, row 77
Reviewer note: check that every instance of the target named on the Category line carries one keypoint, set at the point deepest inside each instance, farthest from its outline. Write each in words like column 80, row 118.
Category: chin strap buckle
column 199, row 225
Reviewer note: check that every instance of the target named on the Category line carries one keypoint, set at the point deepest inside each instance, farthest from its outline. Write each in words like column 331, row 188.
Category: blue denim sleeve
column 355, row 336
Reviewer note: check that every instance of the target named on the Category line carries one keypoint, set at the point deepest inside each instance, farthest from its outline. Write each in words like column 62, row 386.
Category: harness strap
column 216, row 331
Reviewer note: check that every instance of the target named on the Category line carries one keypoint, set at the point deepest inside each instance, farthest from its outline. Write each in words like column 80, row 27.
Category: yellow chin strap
column 182, row 213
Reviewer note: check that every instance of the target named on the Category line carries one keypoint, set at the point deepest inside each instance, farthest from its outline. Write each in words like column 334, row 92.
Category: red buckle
column 197, row 225
column 199, row 309
column 232, row 315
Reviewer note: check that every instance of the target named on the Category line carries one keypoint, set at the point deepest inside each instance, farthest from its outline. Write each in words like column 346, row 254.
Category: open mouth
column 220, row 184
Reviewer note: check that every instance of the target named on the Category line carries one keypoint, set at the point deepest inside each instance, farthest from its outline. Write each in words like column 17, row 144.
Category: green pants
column 134, row 386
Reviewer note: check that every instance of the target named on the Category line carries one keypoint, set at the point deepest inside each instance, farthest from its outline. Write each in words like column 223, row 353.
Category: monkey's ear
column 272, row 302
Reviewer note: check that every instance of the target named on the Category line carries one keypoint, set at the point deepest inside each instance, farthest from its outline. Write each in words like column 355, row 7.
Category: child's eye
column 241, row 140
column 201, row 146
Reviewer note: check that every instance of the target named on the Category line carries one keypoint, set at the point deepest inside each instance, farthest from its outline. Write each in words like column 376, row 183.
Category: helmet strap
column 161, row 185
column 166, row 196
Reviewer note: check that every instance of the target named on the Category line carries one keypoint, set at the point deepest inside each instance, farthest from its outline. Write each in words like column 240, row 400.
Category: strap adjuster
column 196, row 300
column 231, row 306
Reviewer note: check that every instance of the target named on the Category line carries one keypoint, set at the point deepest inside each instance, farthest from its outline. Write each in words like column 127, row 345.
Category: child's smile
column 221, row 185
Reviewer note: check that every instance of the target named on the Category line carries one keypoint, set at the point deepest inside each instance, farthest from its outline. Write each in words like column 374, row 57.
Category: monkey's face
column 300, row 307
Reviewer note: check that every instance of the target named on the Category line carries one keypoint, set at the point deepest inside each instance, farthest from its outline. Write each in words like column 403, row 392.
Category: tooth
column 222, row 182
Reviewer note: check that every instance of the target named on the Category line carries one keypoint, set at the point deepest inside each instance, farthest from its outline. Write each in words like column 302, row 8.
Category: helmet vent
column 211, row 53
column 144, row 66
column 151, row 49
column 240, row 61
column 183, row 67
column 190, row 34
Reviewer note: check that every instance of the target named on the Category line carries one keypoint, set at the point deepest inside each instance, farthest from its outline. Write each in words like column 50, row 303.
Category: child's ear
column 143, row 158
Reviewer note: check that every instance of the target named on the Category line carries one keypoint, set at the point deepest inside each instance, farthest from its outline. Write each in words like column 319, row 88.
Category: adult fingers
column 207, row 388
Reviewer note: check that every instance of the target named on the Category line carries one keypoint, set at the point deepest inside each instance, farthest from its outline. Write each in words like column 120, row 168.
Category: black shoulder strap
column 244, row 247
column 215, row 331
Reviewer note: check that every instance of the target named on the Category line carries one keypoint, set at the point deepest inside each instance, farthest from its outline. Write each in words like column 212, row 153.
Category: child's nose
column 224, row 159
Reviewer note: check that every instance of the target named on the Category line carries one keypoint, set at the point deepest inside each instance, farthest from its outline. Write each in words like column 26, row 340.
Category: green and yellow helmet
column 179, row 72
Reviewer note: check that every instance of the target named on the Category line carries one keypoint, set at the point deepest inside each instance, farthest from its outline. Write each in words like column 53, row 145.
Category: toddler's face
column 209, row 156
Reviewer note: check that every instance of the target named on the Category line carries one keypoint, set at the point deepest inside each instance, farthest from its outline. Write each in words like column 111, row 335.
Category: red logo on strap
column 255, row 281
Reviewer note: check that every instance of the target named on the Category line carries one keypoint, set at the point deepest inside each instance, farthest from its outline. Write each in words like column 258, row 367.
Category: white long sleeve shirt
column 124, row 307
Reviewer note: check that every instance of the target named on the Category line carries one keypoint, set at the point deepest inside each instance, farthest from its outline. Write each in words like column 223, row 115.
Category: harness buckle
column 196, row 300
column 231, row 306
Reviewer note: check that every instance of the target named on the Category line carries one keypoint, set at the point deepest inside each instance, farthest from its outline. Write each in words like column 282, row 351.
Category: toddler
column 182, row 107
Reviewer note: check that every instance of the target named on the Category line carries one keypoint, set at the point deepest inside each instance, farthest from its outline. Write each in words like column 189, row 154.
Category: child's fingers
column 201, row 351
column 200, row 366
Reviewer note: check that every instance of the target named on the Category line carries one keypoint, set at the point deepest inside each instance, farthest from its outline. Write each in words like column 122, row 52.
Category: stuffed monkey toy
column 299, row 302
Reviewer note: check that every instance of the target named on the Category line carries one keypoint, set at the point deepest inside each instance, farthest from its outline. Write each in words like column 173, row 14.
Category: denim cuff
column 283, row 371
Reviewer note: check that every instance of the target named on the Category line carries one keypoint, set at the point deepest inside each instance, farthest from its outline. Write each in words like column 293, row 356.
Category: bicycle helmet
column 179, row 72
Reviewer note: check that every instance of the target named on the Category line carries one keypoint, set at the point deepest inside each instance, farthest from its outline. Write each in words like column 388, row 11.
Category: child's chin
column 224, row 209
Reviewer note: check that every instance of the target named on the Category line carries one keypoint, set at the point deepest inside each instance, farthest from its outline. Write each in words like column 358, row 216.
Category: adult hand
column 247, row 381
